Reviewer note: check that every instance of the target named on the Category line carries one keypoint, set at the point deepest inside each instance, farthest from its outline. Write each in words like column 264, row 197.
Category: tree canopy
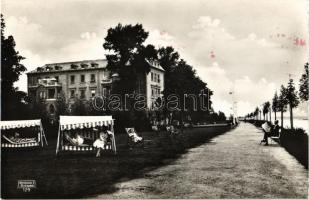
column 303, row 85
column 11, row 69
column 291, row 94
column 128, row 55
column 266, row 107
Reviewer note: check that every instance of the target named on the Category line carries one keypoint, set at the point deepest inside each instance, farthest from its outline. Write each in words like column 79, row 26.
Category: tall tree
column 303, row 85
column 266, row 107
column 61, row 105
column 181, row 78
column 275, row 104
column 256, row 113
column 282, row 102
column 127, row 55
column 168, row 58
column 11, row 69
column 79, row 107
column 269, row 108
column 292, row 99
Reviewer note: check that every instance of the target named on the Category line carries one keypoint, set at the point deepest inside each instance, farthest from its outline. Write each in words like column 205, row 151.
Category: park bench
column 276, row 137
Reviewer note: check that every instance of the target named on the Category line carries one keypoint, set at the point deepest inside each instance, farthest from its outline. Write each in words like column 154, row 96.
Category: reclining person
column 76, row 140
column 133, row 135
column 134, row 139
column 17, row 139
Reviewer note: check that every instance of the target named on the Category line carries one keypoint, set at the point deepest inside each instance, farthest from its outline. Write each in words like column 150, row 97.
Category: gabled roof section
column 155, row 64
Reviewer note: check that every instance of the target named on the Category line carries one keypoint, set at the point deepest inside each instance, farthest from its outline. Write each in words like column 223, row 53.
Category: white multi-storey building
column 84, row 80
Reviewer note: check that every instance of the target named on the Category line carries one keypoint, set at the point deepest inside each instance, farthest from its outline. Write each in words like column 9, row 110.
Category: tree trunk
column 281, row 119
column 270, row 116
column 260, row 115
column 275, row 115
column 291, row 117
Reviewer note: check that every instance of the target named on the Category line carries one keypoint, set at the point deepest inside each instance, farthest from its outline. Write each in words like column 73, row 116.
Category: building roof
column 155, row 65
column 69, row 66
column 80, row 65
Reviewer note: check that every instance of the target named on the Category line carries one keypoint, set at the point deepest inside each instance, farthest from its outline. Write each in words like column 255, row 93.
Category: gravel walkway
column 232, row 165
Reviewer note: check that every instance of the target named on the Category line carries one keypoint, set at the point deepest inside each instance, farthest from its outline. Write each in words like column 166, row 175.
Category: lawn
column 78, row 174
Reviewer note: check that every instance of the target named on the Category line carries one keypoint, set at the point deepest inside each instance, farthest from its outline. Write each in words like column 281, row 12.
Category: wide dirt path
column 232, row 165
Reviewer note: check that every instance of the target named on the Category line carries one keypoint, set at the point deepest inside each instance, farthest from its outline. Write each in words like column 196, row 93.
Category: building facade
column 85, row 80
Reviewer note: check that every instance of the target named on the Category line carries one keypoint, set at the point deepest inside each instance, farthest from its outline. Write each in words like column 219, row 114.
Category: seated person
column 275, row 130
column 267, row 132
column 105, row 138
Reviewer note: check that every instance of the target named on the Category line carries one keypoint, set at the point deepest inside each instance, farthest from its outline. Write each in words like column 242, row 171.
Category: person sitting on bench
column 276, row 129
column 270, row 131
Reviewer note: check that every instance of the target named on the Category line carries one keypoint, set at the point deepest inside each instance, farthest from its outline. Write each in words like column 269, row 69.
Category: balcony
column 46, row 82
column 49, row 82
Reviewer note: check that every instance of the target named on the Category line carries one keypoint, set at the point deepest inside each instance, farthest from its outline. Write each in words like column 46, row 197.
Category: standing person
column 267, row 132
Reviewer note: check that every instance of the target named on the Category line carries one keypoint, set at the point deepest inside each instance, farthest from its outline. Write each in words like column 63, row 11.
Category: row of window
column 73, row 66
column 35, row 80
column 82, row 93
column 32, row 81
column 51, row 94
column 82, row 78
column 155, row 77
column 83, row 65
column 155, row 91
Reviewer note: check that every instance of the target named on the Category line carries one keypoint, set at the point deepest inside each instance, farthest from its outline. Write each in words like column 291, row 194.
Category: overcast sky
column 243, row 44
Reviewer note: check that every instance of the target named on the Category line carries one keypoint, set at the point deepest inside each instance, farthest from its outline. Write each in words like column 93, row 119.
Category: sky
column 249, row 47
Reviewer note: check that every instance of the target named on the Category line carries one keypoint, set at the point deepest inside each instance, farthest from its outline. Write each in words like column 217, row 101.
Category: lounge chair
column 133, row 138
column 72, row 142
column 19, row 140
